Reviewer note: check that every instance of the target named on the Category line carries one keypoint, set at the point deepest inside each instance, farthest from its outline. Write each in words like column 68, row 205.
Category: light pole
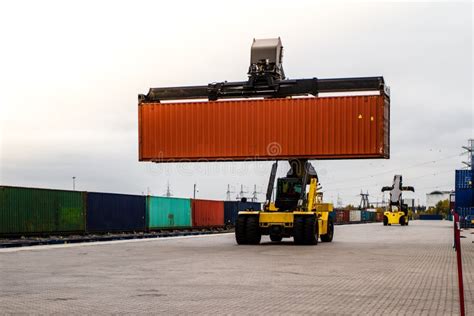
column 195, row 190
column 74, row 183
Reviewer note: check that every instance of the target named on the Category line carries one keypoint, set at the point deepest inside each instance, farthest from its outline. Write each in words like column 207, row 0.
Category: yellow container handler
column 397, row 212
column 294, row 213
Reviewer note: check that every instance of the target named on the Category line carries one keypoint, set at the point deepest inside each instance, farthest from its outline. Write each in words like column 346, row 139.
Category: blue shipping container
column 431, row 217
column 231, row 208
column 466, row 215
column 463, row 198
column 109, row 212
column 464, row 191
column 463, row 179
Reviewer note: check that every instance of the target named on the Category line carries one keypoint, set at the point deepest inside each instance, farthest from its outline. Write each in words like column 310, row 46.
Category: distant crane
column 339, row 201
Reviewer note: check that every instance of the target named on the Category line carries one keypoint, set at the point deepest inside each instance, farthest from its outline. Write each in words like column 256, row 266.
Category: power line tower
column 228, row 193
column 168, row 191
column 339, row 201
column 241, row 193
column 470, row 152
column 255, row 193
column 364, row 200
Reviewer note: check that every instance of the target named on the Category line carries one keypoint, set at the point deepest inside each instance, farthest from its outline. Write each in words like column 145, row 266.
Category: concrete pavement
column 368, row 270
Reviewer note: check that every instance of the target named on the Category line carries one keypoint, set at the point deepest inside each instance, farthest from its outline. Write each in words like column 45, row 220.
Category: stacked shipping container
column 464, row 196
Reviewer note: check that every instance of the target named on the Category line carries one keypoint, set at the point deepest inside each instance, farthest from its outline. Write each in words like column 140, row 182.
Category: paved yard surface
column 368, row 269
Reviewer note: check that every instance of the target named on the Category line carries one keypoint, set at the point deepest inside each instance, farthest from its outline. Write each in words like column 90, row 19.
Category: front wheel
column 402, row 221
column 330, row 232
column 385, row 220
column 240, row 229
column 253, row 235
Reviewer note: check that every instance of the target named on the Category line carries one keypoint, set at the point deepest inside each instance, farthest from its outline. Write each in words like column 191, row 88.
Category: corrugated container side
column 379, row 217
column 313, row 128
column 463, row 179
column 355, row 216
column 339, row 217
column 166, row 212
column 232, row 208
column 342, row 216
column 207, row 213
column 431, row 217
column 33, row 211
column 365, row 216
column 110, row 212
column 464, row 198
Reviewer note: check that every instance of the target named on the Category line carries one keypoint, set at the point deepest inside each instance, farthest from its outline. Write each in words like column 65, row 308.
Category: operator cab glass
column 288, row 193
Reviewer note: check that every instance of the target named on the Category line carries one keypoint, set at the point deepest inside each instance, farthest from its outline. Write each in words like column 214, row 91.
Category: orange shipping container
column 265, row 129
column 207, row 213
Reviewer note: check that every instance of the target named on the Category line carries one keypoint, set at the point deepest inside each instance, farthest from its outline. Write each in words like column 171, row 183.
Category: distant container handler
column 270, row 129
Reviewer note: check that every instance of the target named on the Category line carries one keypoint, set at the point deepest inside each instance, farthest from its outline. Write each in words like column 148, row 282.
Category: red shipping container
column 265, row 129
column 379, row 217
column 208, row 213
column 339, row 217
column 342, row 216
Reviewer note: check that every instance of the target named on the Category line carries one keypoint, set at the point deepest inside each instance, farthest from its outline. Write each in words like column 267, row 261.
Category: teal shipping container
column 166, row 212
column 31, row 211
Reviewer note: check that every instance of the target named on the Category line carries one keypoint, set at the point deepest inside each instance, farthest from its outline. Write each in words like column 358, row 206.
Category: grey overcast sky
column 70, row 73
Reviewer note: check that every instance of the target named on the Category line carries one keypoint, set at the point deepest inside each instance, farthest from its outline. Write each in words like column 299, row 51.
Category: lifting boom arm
column 266, row 79
column 279, row 89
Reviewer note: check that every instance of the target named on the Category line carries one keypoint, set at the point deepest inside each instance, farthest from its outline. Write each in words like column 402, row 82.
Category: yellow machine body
column 270, row 219
column 395, row 217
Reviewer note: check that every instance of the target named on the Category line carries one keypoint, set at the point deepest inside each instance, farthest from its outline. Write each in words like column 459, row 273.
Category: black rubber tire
column 298, row 230
column 329, row 236
column 385, row 220
column 402, row 221
column 253, row 231
column 310, row 231
column 276, row 238
column 406, row 224
column 241, row 230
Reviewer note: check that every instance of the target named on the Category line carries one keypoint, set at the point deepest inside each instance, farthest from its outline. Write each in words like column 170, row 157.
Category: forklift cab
column 288, row 193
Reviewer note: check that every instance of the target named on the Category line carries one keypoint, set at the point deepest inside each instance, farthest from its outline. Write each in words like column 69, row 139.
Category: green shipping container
column 165, row 212
column 31, row 211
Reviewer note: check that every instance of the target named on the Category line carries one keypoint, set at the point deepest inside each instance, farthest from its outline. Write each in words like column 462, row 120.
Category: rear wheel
column 310, row 231
column 240, row 229
column 253, row 235
column 276, row 238
column 385, row 220
column 330, row 233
